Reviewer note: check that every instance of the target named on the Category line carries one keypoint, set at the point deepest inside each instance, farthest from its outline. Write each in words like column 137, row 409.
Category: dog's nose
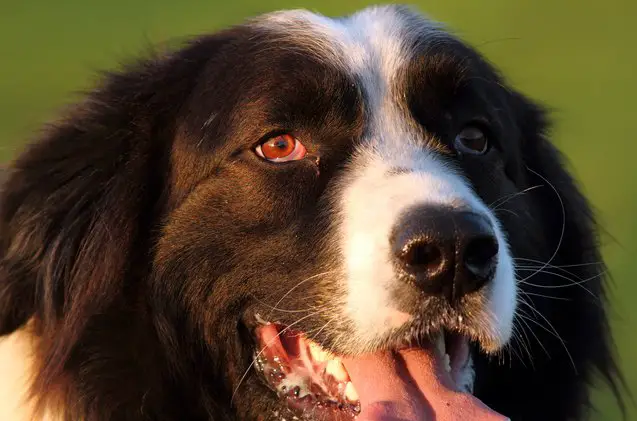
column 444, row 251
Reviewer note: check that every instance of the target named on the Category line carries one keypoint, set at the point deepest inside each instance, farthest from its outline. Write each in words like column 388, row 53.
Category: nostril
column 444, row 252
column 421, row 256
column 480, row 256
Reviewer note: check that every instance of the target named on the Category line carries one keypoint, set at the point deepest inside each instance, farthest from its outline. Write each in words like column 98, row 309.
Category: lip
column 313, row 382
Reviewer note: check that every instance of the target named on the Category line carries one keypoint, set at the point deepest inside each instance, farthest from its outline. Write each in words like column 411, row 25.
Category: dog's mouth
column 431, row 380
column 309, row 378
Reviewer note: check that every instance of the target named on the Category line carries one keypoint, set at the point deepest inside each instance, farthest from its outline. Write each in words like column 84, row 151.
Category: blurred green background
column 577, row 57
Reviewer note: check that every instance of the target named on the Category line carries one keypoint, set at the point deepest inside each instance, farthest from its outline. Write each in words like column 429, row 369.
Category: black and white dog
column 304, row 218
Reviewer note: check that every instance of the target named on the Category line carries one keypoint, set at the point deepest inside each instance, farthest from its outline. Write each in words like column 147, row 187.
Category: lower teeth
column 293, row 386
column 447, row 363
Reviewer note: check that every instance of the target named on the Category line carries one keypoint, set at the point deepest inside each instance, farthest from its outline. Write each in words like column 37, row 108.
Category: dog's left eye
column 281, row 148
column 471, row 140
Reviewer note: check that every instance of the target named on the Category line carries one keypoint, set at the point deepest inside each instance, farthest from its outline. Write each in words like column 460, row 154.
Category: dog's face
column 319, row 201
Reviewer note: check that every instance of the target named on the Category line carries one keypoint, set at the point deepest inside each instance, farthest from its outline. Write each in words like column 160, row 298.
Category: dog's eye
column 281, row 148
column 471, row 140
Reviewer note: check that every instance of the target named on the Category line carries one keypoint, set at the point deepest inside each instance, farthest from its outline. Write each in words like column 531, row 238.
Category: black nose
column 445, row 251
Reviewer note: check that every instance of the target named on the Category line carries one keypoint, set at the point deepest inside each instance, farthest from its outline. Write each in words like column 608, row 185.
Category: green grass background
column 579, row 57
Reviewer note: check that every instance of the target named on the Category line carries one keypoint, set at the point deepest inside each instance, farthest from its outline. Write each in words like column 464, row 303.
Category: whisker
column 501, row 201
column 552, row 331
column 524, row 317
column 283, row 310
column 518, row 356
column 301, row 283
column 524, row 344
column 508, row 211
column 546, row 296
column 315, row 334
column 519, row 298
column 560, row 266
column 559, row 243
column 572, row 283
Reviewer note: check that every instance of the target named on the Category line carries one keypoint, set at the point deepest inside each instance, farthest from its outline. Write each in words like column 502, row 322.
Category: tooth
column 447, row 361
column 440, row 343
column 350, row 392
column 319, row 354
column 260, row 320
column 337, row 370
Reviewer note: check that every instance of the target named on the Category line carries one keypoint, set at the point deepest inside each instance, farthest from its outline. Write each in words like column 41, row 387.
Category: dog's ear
column 70, row 213
column 574, row 253
column 75, row 202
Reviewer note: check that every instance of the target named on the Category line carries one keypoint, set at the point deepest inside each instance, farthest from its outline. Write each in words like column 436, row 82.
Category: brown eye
column 471, row 140
column 281, row 148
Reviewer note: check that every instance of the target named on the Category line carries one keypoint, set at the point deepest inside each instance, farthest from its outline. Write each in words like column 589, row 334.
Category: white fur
column 374, row 45
column 372, row 200
column 16, row 370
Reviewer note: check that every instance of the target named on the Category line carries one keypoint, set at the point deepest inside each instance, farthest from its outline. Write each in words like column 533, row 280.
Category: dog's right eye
column 281, row 148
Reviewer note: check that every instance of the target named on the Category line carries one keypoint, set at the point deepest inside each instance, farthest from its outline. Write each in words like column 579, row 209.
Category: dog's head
column 299, row 214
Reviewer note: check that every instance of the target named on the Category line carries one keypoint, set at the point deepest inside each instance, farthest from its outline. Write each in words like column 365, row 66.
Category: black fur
column 140, row 233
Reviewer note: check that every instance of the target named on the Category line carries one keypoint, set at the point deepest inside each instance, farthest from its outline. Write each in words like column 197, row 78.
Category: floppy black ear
column 78, row 204
column 70, row 213
column 584, row 348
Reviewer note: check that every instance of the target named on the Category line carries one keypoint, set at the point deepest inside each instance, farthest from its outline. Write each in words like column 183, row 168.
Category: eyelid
column 489, row 127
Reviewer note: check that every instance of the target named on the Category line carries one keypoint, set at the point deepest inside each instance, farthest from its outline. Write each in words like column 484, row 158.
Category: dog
column 302, row 218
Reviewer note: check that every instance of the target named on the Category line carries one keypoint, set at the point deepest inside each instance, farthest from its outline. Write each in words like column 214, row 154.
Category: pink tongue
column 410, row 385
